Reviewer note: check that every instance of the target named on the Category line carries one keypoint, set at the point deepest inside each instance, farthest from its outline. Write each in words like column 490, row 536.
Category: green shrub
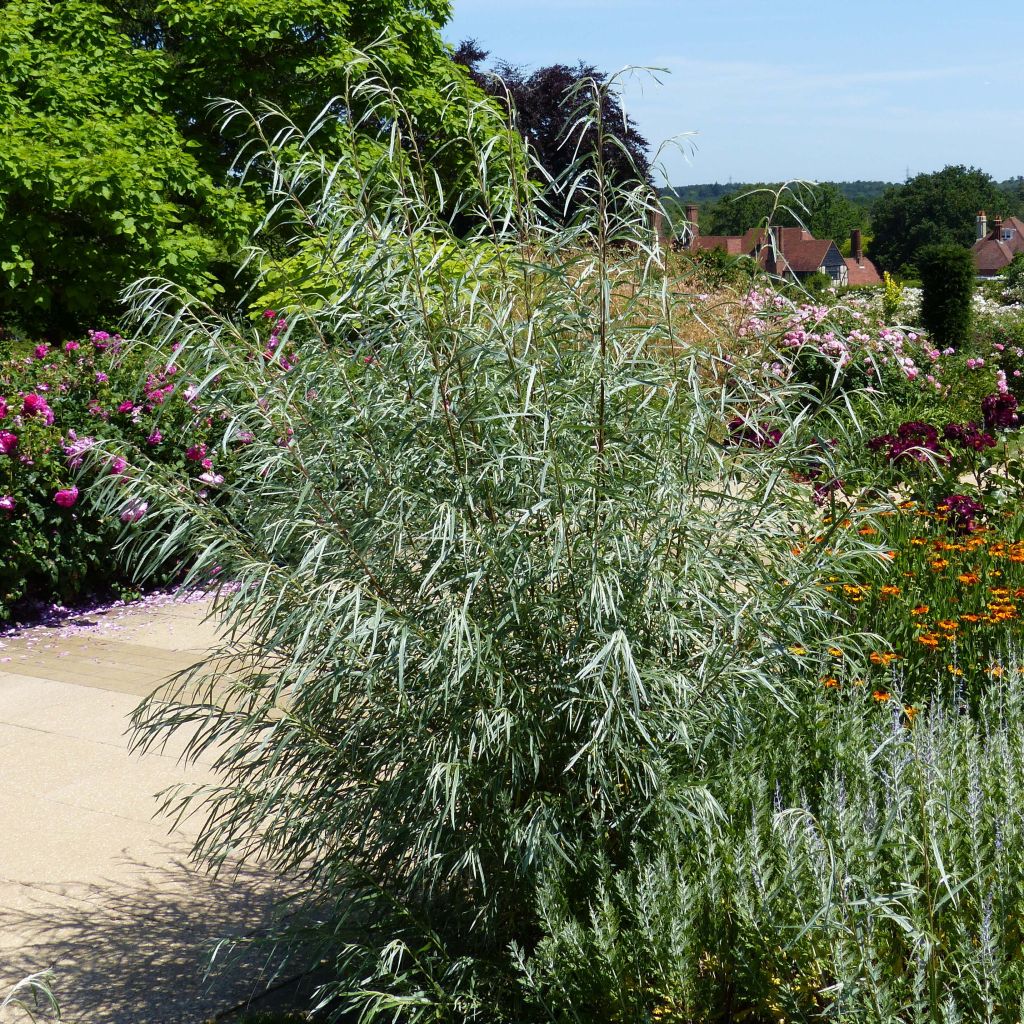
column 1013, row 280
column 817, row 284
column 501, row 582
column 892, row 298
column 718, row 269
column 947, row 290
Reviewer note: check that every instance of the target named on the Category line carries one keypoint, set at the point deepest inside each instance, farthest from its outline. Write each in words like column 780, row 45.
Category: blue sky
column 792, row 89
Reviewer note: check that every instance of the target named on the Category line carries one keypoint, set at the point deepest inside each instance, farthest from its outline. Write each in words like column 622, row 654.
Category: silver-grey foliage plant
column 497, row 583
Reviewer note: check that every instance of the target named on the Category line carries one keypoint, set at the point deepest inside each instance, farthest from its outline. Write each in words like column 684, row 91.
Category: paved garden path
column 91, row 885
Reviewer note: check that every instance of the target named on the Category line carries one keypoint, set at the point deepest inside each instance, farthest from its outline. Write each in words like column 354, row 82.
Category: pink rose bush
column 81, row 415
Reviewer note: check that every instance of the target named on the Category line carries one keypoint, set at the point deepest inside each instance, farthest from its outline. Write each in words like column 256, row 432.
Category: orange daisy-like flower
column 889, row 591
column 969, row 578
column 917, row 541
column 797, row 550
column 947, row 624
column 798, row 650
column 921, row 609
column 835, row 652
column 1000, row 591
column 954, row 670
column 970, row 617
column 929, row 639
column 995, row 670
column 880, row 696
column 867, row 531
column 938, row 564
column 889, row 556
column 910, row 711
column 830, row 682
column 882, row 658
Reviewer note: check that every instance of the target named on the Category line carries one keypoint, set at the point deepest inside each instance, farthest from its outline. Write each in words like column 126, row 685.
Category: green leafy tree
column 1014, row 189
column 929, row 209
column 822, row 209
column 113, row 165
column 947, row 288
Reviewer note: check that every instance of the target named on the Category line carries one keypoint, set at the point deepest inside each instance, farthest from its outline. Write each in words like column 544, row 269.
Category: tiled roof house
column 995, row 249
column 788, row 252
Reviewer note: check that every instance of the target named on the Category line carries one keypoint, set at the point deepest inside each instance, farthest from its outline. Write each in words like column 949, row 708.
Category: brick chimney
column 780, row 240
column 691, row 218
column 997, row 227
column 982, row 223
column 856, row 246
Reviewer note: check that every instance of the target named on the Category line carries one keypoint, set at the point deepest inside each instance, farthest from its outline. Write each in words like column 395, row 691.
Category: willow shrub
column 498, row 585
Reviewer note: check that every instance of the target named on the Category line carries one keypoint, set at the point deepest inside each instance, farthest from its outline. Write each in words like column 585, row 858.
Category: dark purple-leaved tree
column 549, row 105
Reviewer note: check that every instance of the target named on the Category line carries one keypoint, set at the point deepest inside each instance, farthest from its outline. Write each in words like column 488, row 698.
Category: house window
column 1008, row 233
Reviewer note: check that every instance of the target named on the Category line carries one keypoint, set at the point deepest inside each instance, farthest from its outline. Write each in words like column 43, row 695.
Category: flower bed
column 69, row 414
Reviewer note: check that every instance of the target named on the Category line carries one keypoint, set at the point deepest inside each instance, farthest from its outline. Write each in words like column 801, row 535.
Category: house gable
column 995, row 251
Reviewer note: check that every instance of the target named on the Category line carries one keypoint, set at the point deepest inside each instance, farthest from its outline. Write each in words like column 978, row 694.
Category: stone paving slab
column 92, row 884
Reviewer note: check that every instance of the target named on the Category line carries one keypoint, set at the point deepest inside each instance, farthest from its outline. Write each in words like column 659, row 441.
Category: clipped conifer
column 947, row 283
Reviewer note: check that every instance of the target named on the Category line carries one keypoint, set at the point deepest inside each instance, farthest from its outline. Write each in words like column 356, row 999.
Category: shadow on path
column 140, row 952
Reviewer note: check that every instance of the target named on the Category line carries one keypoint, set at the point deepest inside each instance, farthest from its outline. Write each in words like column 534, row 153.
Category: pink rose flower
column 8, row 442
column 75, row 448
column 3, row 408
column 155, row 438
column 7, row 503
column 126, row 406
column 66, row 498
column 35, row 405
column 71, row 346
column 196, row 453
column 41, row 351
column 101, row 378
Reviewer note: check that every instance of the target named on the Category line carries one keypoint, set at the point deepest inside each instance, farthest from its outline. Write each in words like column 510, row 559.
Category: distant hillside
column 863, row 193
